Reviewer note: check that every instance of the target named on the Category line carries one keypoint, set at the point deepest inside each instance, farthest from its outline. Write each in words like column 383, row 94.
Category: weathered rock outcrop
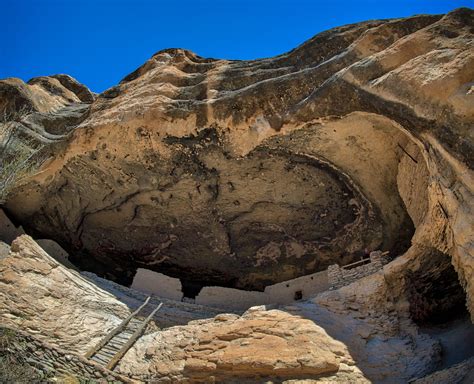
column 461, row 373
column 40, row 296
column 259, row 346
column 358, row 333
column 245, row 173
column 60, row 307
column 355, row 334
column 41, row 94
column 248, row 173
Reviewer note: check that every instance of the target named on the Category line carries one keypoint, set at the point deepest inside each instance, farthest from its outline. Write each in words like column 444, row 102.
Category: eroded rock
column 247, row 173
column 54, row 303
column 258, row 346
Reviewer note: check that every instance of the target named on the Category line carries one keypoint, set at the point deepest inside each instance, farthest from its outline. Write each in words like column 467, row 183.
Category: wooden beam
column 363, row 261
column 132, row 340
column 115, row 331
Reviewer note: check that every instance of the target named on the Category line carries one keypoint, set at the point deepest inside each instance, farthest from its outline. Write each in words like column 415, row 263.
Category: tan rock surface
column 247, row 161
column 351, row 334
column 358, row 333
column 261, row 345
column 41, row 94
column 40, row 296
column 374, row 324
column 57, row 305
column 246, row 173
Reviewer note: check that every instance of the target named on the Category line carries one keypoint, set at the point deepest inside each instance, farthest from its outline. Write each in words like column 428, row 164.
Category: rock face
column 373, row 321
column 60, row 307
column 41, row 94
column 360, row 333
column 356, row 334
column 259, row 346
column 248, row 173
column 459, row 373
column 53, row 303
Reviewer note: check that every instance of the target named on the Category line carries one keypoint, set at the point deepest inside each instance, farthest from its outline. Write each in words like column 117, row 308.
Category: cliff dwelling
column 301, row 217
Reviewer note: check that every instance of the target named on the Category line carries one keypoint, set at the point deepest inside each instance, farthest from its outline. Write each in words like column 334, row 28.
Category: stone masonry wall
column 308, row 286
column 156, row 283
column 340, row 276
column 303, row 287
column 231, row 298
column 51, row 360
column 286, row 292
column 8, row 231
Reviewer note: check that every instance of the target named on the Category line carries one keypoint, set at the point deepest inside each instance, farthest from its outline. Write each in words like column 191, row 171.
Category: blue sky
column 100, row 41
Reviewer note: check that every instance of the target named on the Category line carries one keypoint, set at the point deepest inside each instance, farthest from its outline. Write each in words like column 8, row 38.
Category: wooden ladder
column 113, row 347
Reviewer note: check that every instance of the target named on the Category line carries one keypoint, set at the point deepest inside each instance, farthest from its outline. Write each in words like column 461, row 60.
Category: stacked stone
column 335, row 277
column 338, row 277
column 53, row 361
column 376, row 259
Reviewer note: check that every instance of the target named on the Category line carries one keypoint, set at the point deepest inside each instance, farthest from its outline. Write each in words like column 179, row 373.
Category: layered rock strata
column 247, row 173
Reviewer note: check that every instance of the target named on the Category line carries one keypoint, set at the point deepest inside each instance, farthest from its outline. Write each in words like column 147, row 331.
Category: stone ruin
column 340, row 276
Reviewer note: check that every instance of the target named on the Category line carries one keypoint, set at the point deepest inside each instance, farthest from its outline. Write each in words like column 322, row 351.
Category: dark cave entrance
column 434, row 291
column 291, row 220
column 438, row 306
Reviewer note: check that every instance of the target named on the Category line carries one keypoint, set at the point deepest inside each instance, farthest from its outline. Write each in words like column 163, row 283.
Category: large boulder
column 54, row 303
column 259, row 346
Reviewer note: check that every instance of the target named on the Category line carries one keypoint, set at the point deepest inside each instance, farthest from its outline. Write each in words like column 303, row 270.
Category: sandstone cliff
column 248, row 173
column 284, row 165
